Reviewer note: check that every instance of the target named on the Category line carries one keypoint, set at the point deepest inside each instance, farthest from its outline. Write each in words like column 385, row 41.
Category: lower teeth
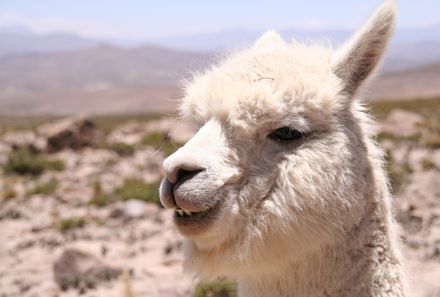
column 183, row 213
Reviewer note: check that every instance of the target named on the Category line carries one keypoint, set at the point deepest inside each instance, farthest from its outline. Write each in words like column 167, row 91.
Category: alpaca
column 283, row 187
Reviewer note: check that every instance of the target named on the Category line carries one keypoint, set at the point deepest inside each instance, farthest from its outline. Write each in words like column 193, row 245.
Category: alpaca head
column 279, row 166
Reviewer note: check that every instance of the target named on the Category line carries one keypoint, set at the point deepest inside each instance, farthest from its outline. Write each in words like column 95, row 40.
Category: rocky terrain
column 79, row 212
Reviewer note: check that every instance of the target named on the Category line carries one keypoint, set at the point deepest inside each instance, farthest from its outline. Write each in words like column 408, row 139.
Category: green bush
column 216, row 289
column 8, row 193
column 134, row 188
column 54, row 164
column 431, row 140
column 46, row 188
column 26, row 162
column 428, row 164
column 122, row 149
column 72, row 223
column 100, row 199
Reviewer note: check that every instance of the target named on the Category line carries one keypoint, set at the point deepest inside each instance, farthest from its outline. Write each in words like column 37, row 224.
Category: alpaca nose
column 179, row 172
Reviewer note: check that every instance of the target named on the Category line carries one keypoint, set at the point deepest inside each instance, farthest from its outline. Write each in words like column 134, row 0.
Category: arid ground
column 79, row 211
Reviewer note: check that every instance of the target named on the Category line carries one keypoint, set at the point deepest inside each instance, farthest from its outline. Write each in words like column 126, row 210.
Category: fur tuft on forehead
column 268, row 79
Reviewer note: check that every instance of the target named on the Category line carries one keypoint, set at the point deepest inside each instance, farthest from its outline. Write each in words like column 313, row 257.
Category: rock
column 435, row 158
column 24, row 139
column 134, row 209
column 130, row 133
column 417, row 157
column 5, row 149
column 41, row 223
column 402, row 123
column 74, row 133
column 423, row 189
column 46, row 289
column 80, row 270
column 10, row 214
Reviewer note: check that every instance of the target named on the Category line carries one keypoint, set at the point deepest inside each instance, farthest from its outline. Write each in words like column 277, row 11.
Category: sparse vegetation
column 429, row 135
column 8, row 193
column 396, row 138
column 9, row 123
column 134, row 188
column 431, row 129
column 216, row 289
column 397, row 173
column 72, row 223
column 54, row 164
column 428, row 164
column 122, row 149
column 108, row 123
column 100, row 199
column 46, row 188
column 429, row 108
column 26, row 162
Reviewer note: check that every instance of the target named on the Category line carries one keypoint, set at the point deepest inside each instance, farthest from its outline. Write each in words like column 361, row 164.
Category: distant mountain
column 101, row 79
column 109, row 79
column 64, row 74
column 227, row 39
column 98, row 66
column 422, row 82
column 19, row 40
column 237, row 38
column 405, row 56
column 410, row 47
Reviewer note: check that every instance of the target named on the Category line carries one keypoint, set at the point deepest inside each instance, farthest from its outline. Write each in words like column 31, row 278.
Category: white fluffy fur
column 309, row 218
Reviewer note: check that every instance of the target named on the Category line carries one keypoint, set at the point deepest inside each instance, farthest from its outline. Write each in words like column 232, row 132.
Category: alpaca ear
column 269, row 40
column 358, row 57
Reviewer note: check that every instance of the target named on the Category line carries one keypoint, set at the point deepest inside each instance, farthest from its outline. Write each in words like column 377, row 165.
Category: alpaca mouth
column 190, row 222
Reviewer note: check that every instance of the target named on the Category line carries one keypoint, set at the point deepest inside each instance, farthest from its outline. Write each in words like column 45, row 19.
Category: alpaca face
column 275, row 166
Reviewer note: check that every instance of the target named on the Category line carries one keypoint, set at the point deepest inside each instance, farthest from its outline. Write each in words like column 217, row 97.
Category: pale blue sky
column 138, row 19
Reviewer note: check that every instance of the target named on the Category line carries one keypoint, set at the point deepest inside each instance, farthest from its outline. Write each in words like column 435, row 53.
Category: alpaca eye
column 286, row 134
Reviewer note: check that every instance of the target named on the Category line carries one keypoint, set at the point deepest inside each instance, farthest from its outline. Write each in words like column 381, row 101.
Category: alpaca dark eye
column 286, row 134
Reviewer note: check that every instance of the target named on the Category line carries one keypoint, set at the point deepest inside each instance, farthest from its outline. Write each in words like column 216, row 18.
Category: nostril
column 183, row 175
column 179, row 166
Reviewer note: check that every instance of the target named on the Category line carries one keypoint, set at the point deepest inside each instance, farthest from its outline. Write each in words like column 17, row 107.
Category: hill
column 109, row 79
column 101, row 79
column 422, row 82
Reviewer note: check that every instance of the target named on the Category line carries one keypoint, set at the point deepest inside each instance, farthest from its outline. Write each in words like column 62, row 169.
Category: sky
column 144, row 19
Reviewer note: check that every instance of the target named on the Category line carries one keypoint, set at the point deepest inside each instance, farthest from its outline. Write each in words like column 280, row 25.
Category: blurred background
column 88, row 96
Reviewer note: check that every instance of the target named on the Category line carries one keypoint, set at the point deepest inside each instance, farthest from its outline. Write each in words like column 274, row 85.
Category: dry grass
column 26, row 162
column 429, row 108
column 46, row 188
column 216, row 289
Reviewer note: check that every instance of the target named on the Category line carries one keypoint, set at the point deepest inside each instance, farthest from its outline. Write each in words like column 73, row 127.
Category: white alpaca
column 282, row 188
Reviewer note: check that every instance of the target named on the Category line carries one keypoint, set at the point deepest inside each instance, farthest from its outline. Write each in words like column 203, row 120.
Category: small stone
column 41, row 224
column 80, row 270
column 134, row 209
column 47, row 289
column 402, row 123
column 73, row 133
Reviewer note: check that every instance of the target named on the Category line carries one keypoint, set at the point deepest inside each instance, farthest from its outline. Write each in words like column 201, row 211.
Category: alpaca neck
column 363, row 264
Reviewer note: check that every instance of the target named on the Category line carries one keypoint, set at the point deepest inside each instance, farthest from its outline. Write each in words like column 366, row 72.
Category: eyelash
column 286, row 134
